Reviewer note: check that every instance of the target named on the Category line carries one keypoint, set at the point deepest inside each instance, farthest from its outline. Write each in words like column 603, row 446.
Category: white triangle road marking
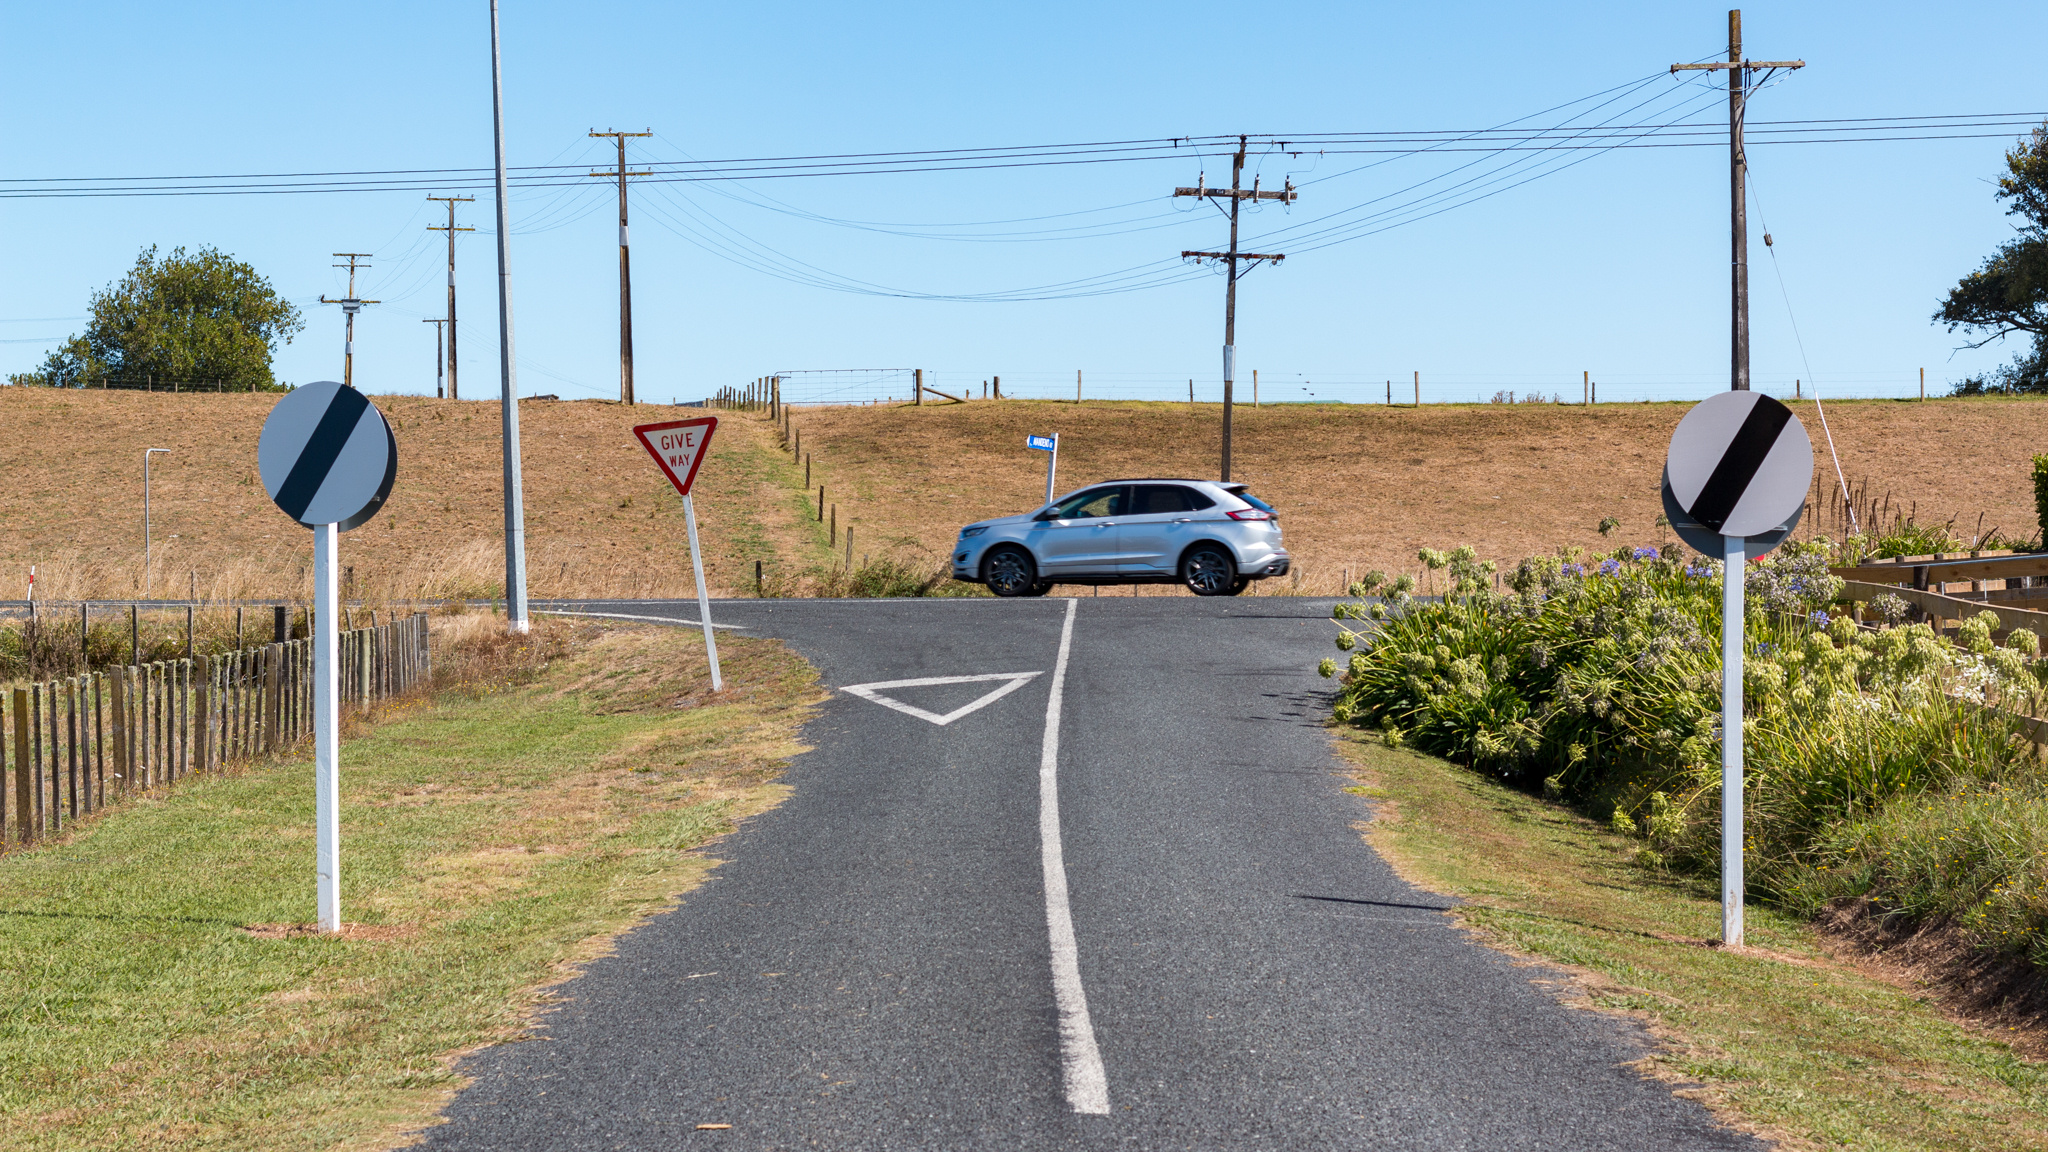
column 872, row 692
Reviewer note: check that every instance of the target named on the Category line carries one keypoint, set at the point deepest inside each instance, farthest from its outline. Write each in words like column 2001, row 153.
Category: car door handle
column 1185, row 520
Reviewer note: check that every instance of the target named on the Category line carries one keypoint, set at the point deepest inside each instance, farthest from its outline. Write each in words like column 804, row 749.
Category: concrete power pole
column 508, row 378
column 1739, row 83
column 1236, row 194
column 625, row 268
column 439, row 327
column 350, row 305
column 454, row 389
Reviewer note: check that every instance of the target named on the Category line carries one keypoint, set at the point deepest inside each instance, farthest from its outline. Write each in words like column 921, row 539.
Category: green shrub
column 2041, row 495
column 1975, row 856
column 1598, row 679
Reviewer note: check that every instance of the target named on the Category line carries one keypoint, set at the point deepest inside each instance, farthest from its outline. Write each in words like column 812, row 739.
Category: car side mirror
column 1048, row 514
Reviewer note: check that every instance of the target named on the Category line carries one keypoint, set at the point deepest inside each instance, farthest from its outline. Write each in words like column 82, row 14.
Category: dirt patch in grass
column 1781, row 1038
column 2001, row 994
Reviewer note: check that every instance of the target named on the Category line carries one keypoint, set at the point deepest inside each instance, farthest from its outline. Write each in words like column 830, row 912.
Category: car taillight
column 1251, row 514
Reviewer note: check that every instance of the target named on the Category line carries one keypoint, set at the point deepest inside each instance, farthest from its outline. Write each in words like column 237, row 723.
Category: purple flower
column 1573, row 570
column 1698, row 571
column 1609, row 567
column 1646, row 553
column 1819, row 619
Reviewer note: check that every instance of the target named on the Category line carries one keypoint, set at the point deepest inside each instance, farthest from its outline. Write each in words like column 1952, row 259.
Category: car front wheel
column 1210, row 571
column 1010, row 572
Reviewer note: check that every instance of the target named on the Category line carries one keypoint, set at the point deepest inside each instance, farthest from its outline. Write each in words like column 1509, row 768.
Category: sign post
column 678, row 448
column 328, row 460
column 1052, row 464
column 1735, row 483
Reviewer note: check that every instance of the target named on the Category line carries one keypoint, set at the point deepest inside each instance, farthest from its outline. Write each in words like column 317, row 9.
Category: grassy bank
column 156, row 985
column 1779, row 1035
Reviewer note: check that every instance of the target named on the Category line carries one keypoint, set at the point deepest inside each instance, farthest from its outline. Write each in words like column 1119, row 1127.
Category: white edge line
column 1087, row 1084
column 624, row 616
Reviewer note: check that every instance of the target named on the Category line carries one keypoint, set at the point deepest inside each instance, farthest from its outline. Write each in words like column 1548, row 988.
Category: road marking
column 1080, row 1061
column 624, row 616
column 871, row 692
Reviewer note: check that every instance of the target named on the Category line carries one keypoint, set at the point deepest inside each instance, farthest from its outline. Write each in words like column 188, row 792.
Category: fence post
column 35, row 718
column 202, row 743
column 23, row 807
column 48, row 777
column 119, row 676
column 71, row 764
column 272, row 658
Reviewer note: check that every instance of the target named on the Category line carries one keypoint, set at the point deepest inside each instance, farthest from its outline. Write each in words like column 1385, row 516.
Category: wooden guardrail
column 1943, row 607
column 75, row 745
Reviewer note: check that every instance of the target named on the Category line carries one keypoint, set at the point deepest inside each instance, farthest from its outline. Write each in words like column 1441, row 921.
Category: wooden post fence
column 78, row 744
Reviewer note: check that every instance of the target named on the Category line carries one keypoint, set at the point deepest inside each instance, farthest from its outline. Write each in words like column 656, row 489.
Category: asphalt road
column 880, row 964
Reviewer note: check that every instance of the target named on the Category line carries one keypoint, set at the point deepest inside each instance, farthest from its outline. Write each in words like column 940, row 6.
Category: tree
column 2010, row 292
column 183, row 318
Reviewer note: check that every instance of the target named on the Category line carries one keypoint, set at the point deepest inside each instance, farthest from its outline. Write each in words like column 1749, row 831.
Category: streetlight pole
column 145, row 518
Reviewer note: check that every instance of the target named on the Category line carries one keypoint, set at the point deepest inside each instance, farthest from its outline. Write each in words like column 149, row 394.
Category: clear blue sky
column 1616, row 265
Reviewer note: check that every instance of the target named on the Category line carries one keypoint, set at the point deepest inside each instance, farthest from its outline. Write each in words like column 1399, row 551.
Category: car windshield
column 1087, row 505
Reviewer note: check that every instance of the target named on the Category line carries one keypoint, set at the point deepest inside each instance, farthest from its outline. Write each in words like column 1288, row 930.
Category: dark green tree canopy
column 2009, row 293
column 202, row 317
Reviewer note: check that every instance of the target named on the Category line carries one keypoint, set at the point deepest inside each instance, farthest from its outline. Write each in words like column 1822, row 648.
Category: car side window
column 1091, row 504
column 1155, row 499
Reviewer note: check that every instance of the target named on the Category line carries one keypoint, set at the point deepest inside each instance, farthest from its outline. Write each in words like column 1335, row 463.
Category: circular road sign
column 1740, row 464
column 1709, row 543
column 327, row 456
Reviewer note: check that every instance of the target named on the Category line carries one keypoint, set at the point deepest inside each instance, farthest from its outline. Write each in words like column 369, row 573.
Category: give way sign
column 678, row 447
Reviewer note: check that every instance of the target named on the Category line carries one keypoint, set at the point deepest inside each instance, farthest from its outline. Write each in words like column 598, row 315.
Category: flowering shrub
column 1598, row 680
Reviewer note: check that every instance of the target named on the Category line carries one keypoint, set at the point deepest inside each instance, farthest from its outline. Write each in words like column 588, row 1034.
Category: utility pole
column 438, row 329
column 1236, row 194
column 454, row 391
column 508, row 378
column 625, row 269
column 1739, row 82
column 350, row 305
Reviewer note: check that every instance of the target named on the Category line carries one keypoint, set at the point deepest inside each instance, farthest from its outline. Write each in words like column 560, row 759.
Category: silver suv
column 1216, row 538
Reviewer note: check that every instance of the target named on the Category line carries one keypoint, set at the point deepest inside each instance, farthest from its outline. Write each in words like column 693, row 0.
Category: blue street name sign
column 1042, row 443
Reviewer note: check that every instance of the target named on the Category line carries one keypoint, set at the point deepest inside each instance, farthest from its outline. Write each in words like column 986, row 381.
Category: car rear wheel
column 1010, row 572
column 1209, row 571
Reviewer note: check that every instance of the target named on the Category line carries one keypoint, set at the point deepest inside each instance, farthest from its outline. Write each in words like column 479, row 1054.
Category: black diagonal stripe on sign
column 317, row 458
column 1744, row 455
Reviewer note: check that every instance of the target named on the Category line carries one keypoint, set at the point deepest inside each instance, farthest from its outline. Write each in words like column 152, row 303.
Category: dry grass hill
column 1358, row 486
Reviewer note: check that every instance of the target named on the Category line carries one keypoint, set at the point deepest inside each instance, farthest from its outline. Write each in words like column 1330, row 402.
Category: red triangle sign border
column 647, row 433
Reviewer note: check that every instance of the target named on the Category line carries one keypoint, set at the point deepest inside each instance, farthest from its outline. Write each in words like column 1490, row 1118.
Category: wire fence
column 899, row 385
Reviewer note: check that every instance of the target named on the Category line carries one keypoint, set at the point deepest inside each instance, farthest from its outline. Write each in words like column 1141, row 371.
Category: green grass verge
column 1781, row 1036
column 489, row 842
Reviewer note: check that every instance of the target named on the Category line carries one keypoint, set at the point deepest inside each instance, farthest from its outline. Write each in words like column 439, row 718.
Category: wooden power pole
column 350, row 305
column 625, row 268
column 440, row 326
column 1236, row 194
column 1739, row 82
column 454, row 387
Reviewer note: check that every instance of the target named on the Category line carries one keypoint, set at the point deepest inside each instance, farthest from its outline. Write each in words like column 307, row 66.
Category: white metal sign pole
column 1052, row 466
column 703, row 597
column 1734, row 557
column 326, row 737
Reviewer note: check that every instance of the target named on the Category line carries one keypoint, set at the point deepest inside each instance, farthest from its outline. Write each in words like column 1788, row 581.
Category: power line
column 1680, row 134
